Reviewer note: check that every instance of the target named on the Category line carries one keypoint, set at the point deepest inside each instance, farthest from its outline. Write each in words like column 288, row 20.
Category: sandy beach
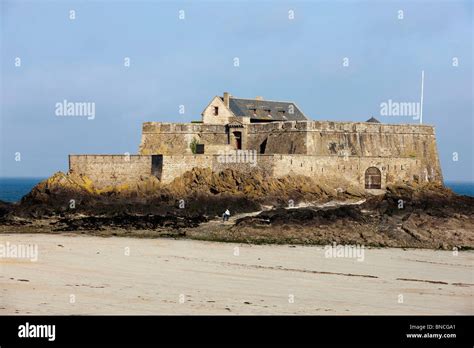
column 77, row 274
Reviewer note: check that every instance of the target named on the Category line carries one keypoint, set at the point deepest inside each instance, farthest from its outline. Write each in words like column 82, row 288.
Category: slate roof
column 373, row 120
column 265, row 110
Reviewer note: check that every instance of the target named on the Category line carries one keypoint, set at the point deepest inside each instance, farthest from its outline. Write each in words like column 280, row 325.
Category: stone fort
column 282, row 141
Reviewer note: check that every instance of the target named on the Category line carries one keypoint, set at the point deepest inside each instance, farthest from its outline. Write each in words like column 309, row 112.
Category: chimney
column 226, row 99
column 258, row 98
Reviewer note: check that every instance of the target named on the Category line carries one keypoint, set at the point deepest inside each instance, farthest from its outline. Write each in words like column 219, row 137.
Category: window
column 252, row 108
column 199, row 149
column 216, row 110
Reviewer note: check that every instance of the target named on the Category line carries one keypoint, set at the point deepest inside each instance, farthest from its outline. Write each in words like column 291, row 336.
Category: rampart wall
column 112, row 170
column 312, row 148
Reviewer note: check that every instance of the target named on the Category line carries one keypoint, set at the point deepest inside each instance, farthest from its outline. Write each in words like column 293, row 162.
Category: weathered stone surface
column 200, row 189
column 125, row 170
column 430, row 216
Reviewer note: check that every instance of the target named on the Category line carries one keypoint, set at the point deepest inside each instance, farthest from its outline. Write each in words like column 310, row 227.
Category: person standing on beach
column 226, row 215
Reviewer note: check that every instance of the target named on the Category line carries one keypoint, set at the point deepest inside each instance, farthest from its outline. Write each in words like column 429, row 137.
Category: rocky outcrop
column 424, row 216
column 428, row 216
column 199, row 191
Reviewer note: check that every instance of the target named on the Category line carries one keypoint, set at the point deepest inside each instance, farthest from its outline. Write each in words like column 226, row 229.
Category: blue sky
column 186, row 62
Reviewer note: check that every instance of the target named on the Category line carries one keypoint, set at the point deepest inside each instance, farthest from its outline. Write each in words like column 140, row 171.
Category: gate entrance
column 373, row 178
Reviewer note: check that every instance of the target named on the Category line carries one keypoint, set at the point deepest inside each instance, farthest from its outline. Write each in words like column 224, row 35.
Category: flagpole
column 421, row 102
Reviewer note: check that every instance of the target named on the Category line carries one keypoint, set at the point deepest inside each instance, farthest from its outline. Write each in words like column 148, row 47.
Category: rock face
column 425, row 216
column 197, row 191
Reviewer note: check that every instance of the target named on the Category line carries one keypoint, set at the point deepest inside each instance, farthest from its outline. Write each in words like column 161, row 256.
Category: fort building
column 278, row 139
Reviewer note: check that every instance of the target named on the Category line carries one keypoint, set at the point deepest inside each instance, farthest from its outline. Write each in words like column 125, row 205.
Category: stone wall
column 369, row 140
column 312, row 148
column 281, row 137
column 263, row 163
column 111, row 170
column 176, row 165
column 350, row 169
column 319, row 138
column 175, row 138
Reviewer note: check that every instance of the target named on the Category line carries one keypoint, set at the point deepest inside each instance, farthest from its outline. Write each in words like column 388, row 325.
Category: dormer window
column 252, row 108
column 216, row 110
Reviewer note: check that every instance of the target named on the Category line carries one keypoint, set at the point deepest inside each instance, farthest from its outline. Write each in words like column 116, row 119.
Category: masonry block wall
column 265, row 164
column 111, row 170
column 319, row 149
column 377, row 140
column 175, row 138
column 176, row 165
column 320, row 138
column 350, row 169
column 280, row 138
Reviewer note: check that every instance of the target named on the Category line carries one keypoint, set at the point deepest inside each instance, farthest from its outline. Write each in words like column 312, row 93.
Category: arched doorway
column 373, row 178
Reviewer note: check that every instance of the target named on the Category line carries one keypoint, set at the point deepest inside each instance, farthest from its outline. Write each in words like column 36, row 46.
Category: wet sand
column 78, row 274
